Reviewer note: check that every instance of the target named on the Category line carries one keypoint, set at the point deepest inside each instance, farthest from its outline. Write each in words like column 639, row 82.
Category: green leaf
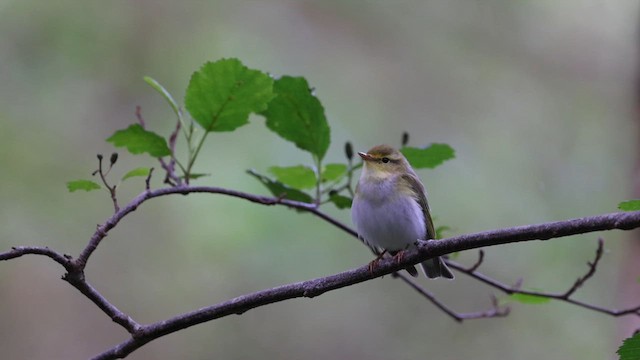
column 298, row 116
column 141, row 171
column 529, row 299
column 222, row 94
column 280, row 190
column 630, row 348
column 428, row 157
column 298, row 177
column 165, row 94
column 631, row 205
column 341, row 201
column 138, row 140
column 196, row 176
column 332, row 172
column 86, row 185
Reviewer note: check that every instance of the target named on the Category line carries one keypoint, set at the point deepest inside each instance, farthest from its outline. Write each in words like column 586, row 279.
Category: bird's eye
column 385, row 160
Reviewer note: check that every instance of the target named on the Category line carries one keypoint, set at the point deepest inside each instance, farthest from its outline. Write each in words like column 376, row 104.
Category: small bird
column 390, row 209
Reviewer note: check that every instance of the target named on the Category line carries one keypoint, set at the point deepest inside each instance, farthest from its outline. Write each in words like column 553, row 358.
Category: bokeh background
column 537, row 98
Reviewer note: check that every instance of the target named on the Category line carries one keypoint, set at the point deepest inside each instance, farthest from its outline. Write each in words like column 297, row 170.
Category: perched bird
column 390, row 209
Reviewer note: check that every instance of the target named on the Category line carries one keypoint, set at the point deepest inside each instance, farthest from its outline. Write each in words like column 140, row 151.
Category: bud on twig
column 348, row 150
column 405, row 138
column 100, row 157
column 113, row 159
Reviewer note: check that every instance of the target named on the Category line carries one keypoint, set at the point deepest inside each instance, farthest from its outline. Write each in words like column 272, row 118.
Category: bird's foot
column 374, row 263
column 399, row 256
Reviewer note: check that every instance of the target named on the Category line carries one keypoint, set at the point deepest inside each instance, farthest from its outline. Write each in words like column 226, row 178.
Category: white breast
column 389, row 222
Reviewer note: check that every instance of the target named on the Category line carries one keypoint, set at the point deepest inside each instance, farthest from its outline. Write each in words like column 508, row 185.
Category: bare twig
column 592, row 270
column 139, row 116
column 475, row 266
column 103, row 177
column 564, row 296
column 147, row 181
column 18, row 251
column 75, row 277
column 495, row 311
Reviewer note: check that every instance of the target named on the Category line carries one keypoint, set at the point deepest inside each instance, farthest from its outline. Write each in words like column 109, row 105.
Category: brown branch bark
column 142, row 334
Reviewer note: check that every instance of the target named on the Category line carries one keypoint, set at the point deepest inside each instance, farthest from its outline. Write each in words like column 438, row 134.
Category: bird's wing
column 420, row 196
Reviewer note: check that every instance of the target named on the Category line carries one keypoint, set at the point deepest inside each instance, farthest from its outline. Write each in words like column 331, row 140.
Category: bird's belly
column 391, row 225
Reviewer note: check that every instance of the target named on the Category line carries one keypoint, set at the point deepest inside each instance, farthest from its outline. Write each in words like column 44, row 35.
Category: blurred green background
column 535, row 96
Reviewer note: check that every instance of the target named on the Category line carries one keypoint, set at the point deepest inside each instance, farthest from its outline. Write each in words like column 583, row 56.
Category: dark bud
column 405, row 138
column 348, row 150
column 113, row 159
column 332, row 193
column 99, row 156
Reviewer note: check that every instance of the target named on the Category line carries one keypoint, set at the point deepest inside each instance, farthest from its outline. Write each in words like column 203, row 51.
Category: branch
column 564, row 296
column 18, row 251
column 496, row 311
column 425, row 250
column 142, row 334
column 75, row 277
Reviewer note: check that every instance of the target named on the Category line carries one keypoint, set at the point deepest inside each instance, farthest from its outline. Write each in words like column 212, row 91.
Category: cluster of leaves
column 220, row 97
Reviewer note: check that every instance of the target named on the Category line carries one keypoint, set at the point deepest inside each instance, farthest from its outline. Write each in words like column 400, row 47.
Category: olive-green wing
column 421, row 198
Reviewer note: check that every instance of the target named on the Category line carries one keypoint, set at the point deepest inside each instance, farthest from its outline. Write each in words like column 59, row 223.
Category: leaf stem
column 194, row 155
column 318, row 162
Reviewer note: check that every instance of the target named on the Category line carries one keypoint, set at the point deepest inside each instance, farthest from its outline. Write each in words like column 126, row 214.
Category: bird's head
column 383, row 161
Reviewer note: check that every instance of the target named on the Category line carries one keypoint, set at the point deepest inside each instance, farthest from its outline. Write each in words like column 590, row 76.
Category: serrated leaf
column 529, row 299
column 141, row 171
column 278, row 189
column 428, row 157
column 138, row 140
column 297, row 177
column 222, row 94
column 341, row 201
column 631, row 205
column 630, row 348
column 298, row 116
column 86, row 185
column 332, row 172
column 165, row 94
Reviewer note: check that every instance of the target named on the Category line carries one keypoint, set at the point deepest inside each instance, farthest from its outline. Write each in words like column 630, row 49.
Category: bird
column 390, row 209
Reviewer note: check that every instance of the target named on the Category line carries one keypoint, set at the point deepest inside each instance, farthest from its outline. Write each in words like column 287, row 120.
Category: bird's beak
column 365, row 156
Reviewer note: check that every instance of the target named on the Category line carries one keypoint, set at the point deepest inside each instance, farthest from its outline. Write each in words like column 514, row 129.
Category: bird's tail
column 435, row 268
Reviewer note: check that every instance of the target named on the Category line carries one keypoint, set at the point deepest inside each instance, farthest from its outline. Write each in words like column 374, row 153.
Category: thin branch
column 496, row 311
column 475, row 266
column 592, row 270
column 18, row 251
column 78, row 281
column 103, row 177
column 147, row 181
column 564, row 296
column 75, row 277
